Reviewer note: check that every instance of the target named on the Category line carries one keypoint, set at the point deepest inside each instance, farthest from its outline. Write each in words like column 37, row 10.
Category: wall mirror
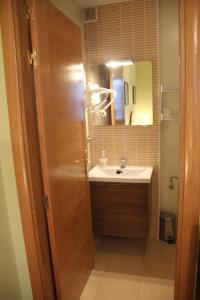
column 131, row 102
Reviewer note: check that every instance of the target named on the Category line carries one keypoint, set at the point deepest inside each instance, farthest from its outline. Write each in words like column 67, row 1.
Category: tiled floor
column 127, row 269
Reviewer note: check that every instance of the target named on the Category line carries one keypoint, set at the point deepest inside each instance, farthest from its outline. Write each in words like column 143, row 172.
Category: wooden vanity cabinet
column 121, row 209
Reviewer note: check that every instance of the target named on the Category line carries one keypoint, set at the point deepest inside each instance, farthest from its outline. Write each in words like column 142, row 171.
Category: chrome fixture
column 171, row 182
column 89, row 139
column 85, row 159
column 97, row 99
column 122, row 163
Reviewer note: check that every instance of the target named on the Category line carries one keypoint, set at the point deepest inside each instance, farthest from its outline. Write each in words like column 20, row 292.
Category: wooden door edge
column 182, row 131
column 13, row 77
column 188, row 212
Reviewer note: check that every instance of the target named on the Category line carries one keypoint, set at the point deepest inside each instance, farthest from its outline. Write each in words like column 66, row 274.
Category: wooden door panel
column 189, row 190
column 60, row 105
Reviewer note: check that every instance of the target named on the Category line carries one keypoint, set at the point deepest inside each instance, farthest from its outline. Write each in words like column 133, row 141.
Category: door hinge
column 28, row 13
column 45, row 201
column 32, row 58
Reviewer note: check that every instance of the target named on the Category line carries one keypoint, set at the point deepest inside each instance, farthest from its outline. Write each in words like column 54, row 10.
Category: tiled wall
column 169, row 77
column 123, row 31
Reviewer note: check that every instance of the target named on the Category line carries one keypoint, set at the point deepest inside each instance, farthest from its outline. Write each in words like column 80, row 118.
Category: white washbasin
column 129, row 174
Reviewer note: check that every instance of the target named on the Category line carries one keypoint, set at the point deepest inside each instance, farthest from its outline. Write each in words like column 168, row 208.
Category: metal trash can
column 168, row 227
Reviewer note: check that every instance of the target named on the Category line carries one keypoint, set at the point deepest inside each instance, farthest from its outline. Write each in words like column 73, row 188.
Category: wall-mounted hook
column 171, row 182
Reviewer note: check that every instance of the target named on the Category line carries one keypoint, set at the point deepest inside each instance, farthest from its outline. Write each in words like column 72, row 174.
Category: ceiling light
column 119, row 63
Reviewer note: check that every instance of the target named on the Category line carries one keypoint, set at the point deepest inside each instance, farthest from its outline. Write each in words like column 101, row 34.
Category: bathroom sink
column 115, row 174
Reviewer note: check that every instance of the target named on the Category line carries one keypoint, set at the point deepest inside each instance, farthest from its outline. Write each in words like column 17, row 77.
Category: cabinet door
column 120, row 209
column 99, row 208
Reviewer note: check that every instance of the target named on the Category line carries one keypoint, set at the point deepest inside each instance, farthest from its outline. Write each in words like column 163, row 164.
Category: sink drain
column 119, row 172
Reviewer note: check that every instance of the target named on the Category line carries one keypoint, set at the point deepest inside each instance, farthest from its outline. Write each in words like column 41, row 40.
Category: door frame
column 25, row 146
column 188, row 214
column 189, row 187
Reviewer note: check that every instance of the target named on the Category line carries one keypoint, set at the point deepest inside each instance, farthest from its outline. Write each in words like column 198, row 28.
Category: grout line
column 145, row 31
column 141, row 275
column 103, row 275
column 136, row 141
column 124, row 142
column 120, row 26
column 113, row 141
column 103, row 139
column 132, row 27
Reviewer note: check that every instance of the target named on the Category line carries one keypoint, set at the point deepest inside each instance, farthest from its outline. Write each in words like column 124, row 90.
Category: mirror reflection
column 131, row 102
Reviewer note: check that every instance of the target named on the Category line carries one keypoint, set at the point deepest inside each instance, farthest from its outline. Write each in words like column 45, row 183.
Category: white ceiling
column 93, row 3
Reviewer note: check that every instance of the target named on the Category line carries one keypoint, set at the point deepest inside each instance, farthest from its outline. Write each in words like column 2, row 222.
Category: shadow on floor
column 150, row 258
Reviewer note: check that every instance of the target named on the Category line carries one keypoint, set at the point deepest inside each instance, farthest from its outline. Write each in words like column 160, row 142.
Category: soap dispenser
column 103, row 161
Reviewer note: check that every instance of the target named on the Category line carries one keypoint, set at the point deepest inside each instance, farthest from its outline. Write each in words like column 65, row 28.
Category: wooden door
column 189, row 198
column 25, row 145
column 60, row 106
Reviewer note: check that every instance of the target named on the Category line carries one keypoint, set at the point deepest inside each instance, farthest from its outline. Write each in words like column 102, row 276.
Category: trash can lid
column 167, row 216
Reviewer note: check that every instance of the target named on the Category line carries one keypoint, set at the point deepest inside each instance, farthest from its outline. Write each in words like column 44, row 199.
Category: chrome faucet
column 122, row 163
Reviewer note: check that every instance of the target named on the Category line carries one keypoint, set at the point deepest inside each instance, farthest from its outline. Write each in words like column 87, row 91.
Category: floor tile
column 126, row 257
column 159, row 260
column 118, row 287
column 157, row 281
column 156, row 289
column 102, row 254
column 128, row 269
column 92, row 286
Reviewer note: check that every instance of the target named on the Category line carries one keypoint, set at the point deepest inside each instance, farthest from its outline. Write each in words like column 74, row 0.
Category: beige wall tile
column 128, row 30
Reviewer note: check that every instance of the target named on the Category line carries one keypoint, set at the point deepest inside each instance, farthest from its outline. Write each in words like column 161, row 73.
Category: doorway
column 152, row 145
column 114, row 247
